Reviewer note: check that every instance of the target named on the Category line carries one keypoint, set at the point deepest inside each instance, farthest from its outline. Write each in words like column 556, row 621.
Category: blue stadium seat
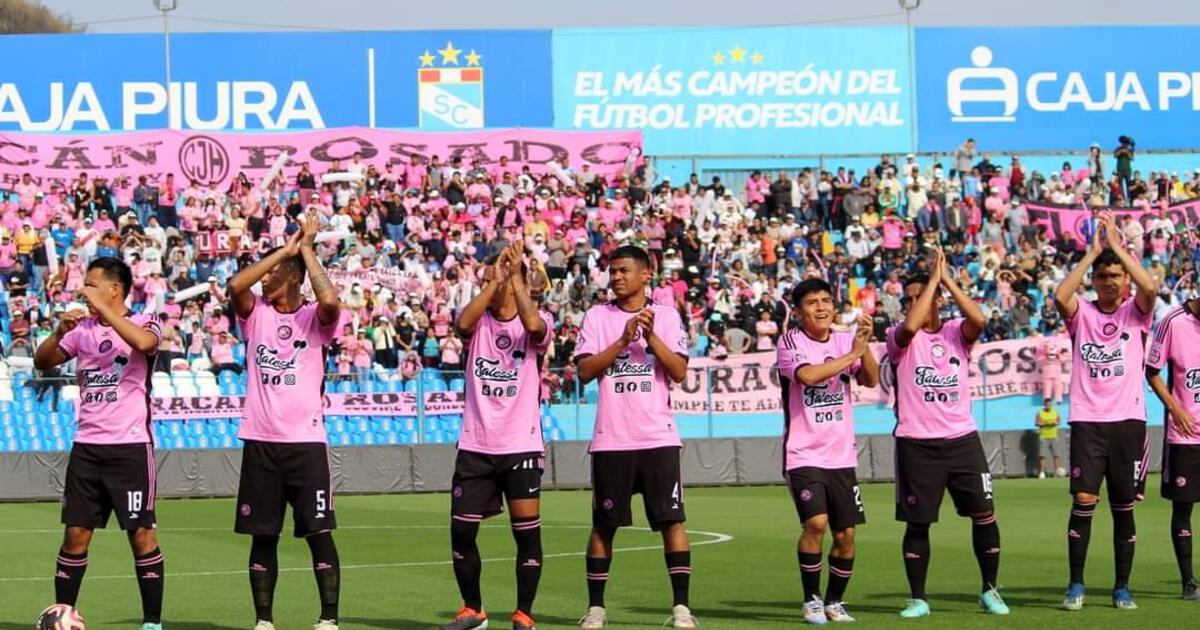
column 345, row 387
column 554, row 435
column 435, row 386
column 431, row 374
column 368, row 438
column 226, row 376
column 226, row 441
column 239, row 353
column 457, row 385
column 591, row 392
column 410, row 386
column 241, row 389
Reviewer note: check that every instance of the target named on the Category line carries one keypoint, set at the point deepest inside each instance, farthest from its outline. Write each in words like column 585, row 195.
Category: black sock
column 1124, row 540
column 68, row 576
column 150, row 570
column 264, row 570
column 679, row 568
column 840, row 570
column 1079, row 532
column 527, row 532
column 1181, row 538
column 467, row 565
column 597, row 579
column 810, row 574
column 327, row 568
column 985, row 537
column 916, row 557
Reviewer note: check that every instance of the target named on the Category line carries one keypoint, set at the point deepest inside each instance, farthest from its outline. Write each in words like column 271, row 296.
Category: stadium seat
column 435, row 386
column 208, row 389
column 457, row 385
column 411, row 386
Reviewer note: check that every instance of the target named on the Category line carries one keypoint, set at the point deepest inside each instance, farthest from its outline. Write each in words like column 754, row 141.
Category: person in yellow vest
column 1047, row 421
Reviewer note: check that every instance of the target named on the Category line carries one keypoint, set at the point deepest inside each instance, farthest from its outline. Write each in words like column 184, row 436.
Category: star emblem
column 756, row 58
column 719, row 58
column 473, row 58
column 426, row 59
column 738, row 54
column 449, row 54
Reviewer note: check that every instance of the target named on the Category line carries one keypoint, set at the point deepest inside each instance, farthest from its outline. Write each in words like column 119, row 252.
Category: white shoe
column 814, row 612
column 681, row 617
column 264, row 625
column 326, row 624
column 595, row 618
column 1042, row 475
column 836, row 612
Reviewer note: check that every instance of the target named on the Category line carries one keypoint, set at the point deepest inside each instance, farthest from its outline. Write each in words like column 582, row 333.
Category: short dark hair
column 919, row 277
column 115, row 270
column 811, row 285
column 630, row 251
column 294, row 263
column 1107, row 257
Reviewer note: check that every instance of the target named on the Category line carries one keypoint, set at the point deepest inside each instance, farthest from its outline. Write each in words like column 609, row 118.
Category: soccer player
column 816, row 364
column 500, row 450
column 1107, row 409
column 111, row 468
column 634, row 345
column 285, row 458
column 937, row 445
column 1175, row 342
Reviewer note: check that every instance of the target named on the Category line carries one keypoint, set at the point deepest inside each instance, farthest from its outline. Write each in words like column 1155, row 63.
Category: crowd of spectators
column 417, row 236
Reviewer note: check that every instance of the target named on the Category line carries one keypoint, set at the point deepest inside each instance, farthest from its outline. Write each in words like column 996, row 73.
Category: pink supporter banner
column 749, row 383
column 370, row 404
column 219, row 157
column 1060, row 219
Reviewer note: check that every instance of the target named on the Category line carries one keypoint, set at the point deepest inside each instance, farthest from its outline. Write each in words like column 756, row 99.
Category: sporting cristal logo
column 450, row 89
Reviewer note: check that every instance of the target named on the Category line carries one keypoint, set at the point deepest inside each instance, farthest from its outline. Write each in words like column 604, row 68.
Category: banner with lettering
column 1058, row 219
column 749, row 383
column 367, row 404
column 219, row 157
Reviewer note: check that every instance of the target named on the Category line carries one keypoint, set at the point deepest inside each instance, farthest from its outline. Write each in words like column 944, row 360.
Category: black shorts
column 830, row 491
column 480, row 480
column 1116, row 452
column 1181, row 473
column 275, row 475
column 107, row 478
column 926, row 468
column 618, row 475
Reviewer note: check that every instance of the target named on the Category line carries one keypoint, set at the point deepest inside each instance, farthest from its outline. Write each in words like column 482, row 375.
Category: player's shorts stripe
column 152, row 475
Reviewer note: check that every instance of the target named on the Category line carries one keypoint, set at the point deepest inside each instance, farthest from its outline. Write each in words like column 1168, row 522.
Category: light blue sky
column 123, row 16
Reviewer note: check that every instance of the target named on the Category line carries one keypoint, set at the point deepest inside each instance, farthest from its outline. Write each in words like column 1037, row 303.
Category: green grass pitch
column 396, row 573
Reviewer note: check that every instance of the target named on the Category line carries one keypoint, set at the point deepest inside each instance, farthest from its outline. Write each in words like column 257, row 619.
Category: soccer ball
column 60, row 617
column 1061, row 472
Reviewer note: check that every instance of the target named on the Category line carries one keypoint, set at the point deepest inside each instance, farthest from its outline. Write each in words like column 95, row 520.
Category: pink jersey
column 635, row 400
column 1108, row 363
column 114, row 382
column 820, row 418
column 285, row 374
column 1175, row 341
column 933, row 395
column 503, row 415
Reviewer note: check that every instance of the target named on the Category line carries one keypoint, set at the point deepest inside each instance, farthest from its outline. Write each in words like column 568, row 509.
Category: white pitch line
column 716, row 538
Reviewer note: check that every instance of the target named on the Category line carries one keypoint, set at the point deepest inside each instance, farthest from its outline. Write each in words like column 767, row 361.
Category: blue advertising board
column 435, row 80
column 738, row 91
column 1058, row 88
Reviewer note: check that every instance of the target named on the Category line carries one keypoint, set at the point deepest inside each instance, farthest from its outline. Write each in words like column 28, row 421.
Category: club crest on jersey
column 927, row 376
column 1109, row 329
column 106, row 345
column 503, row 341
column 268, row 359
column 489, row 370
column 824, row 395
column 938, row 351
column 284, row 332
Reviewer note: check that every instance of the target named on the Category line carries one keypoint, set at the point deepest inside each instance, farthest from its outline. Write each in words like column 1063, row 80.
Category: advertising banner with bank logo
column 433, row 80
column 738, row 91
column 1058, row 88
column 377, row 404
column 749, row 383
column 218, row 157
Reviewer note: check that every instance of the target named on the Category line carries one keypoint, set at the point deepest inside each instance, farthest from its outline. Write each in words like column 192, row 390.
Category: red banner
column 366, row 404
column 749, row 383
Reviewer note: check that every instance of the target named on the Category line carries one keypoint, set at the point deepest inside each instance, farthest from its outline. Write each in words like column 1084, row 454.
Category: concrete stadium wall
column 428, row 467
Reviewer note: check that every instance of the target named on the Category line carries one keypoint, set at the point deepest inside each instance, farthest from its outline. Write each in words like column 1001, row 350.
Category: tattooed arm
column 328, row 304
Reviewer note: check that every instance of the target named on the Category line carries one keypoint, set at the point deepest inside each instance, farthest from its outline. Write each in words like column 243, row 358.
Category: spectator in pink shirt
column 221, row 354
column 27, row 191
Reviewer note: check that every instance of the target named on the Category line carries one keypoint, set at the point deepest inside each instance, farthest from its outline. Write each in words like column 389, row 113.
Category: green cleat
column 991, row 602
column 915, row 608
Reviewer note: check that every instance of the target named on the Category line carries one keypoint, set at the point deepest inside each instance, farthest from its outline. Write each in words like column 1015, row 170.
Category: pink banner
column 219, row 157
column 749, row 383
column 370, row 404
column 1059, row 219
